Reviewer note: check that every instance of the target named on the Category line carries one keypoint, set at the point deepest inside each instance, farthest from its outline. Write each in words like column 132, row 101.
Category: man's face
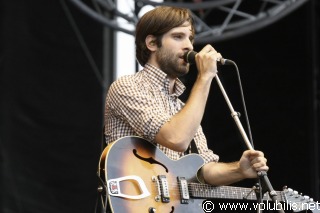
column 175, row 44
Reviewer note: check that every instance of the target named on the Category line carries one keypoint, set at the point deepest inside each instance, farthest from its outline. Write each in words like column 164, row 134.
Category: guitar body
column 134, row 156
column 139, row 177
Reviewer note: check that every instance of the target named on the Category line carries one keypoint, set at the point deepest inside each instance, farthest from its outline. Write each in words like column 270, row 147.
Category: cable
column 243, row 103
column 260, row 188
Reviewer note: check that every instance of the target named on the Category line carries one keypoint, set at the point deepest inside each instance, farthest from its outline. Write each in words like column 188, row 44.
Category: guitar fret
column 226, row 192
column 208, row 191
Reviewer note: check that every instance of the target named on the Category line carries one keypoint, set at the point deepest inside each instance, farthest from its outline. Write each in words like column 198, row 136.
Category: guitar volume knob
column 152, row 210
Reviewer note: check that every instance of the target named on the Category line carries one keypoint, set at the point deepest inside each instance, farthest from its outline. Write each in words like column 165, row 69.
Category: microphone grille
column 189, row 57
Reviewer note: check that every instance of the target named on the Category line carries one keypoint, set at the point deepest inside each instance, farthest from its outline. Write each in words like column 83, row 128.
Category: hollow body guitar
column 139, row 177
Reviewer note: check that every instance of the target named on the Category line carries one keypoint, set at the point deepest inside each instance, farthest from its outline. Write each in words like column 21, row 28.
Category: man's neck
column 172, row 82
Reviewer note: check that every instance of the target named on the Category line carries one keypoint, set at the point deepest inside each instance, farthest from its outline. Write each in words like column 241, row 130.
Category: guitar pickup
column 184, row 192
column 165, row 196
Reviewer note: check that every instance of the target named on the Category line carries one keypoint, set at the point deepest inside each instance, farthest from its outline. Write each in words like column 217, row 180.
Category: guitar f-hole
column 150, row 160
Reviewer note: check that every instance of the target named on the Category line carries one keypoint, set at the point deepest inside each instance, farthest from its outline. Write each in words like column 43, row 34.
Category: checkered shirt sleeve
column 139, row 105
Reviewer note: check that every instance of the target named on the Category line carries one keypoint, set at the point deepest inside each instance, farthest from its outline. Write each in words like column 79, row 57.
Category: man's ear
column 151, row 43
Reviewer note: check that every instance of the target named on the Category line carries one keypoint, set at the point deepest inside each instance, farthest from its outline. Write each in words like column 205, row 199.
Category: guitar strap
column 192, row 148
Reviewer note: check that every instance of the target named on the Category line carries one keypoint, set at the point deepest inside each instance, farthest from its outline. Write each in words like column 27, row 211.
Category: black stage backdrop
column 51, row 109
column 52, row 104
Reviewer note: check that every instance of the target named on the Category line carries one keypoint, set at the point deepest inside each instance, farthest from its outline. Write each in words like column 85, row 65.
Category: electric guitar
column 139, row 177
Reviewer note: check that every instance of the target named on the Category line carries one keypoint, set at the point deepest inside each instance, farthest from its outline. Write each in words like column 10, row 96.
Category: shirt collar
column 161, row 79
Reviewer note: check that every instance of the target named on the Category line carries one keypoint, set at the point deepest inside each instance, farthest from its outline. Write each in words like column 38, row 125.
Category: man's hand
column 251, row 162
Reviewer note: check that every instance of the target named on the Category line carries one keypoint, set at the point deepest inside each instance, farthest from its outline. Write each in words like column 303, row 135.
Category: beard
column 170, row 63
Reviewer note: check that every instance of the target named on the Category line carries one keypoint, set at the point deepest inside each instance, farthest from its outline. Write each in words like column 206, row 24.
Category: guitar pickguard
column 150, row 160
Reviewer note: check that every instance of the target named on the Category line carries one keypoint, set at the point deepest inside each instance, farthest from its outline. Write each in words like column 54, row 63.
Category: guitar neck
column 198, row 190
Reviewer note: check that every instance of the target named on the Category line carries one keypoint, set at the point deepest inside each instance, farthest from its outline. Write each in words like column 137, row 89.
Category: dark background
column 51, row 104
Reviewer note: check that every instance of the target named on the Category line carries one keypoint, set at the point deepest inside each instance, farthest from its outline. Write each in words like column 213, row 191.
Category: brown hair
column 158, row 22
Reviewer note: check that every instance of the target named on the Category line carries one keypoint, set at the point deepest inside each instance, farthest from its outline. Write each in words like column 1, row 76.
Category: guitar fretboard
column 198, row 190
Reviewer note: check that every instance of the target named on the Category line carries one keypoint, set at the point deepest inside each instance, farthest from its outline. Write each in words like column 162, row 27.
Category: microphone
column 189, row 57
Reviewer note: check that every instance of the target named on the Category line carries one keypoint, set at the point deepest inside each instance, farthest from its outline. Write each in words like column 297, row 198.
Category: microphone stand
column 262, row 174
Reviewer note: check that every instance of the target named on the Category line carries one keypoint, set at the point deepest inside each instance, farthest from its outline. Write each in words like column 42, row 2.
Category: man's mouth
column 182, row 57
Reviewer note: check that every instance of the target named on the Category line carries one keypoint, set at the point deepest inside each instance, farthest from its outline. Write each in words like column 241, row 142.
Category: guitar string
column 209, row 191
column 204, row 190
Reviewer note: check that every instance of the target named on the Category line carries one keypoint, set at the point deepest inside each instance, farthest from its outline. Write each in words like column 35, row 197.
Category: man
column 146, row 104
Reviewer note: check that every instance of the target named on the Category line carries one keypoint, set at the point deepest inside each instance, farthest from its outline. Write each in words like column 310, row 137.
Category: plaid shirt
column 140, row 104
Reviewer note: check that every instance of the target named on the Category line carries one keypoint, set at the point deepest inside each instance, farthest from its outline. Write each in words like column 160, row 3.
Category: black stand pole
column 262, row 175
